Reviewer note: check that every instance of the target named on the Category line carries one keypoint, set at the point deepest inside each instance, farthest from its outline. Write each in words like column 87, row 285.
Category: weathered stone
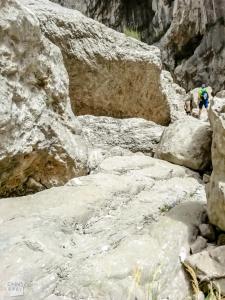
column 206, row 178
column 204, row 217
column 221, row 94
column 221, row 240
column 199, row 296
column 198, row 245
column 190, row 33
column 186, row 142
column 193, row 42
column 110, row 74
column 209, row 265
column 97, row 155
column 54, row 297
column 40, row 138
column 208, row 232
column 106, row 236
column 175, row 94
column 136, row 135
column 216, row 188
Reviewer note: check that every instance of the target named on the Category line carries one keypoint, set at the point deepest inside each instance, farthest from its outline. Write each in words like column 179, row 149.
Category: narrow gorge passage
column 109, row 190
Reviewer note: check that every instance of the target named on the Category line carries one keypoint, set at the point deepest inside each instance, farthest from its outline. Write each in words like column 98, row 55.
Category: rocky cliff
column 190, row 33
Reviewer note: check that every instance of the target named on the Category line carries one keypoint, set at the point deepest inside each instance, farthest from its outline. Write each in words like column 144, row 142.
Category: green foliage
column 132, row 33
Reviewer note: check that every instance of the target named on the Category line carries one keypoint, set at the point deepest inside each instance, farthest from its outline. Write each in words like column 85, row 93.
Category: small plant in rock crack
column 132, row 33
column 168, row 206
column 165, row 208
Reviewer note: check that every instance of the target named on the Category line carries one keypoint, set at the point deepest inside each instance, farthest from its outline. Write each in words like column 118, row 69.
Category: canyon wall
column 191, row 34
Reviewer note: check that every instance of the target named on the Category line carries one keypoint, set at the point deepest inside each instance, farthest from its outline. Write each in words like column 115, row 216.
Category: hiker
column 188, row 106
column 203, row 98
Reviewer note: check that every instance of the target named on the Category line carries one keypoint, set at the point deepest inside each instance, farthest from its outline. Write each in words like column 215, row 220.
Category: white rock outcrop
column 40, row 143
column 134, row 134
column 110, row 74
column 111, row 235
column 216, row 188
column 187, row 142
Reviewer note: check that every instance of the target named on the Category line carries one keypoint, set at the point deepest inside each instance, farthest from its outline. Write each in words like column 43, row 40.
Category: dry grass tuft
column 211, row 290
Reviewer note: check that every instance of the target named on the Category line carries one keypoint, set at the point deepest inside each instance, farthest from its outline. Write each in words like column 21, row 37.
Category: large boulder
column 190, row 33
column 110, row 74
column 187, row 142
column 40, row 138
column 216, row 188
column 136, row 135
column 116, row 234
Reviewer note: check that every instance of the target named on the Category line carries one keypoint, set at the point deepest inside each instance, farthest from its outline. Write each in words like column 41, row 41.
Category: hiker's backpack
column 204, row 95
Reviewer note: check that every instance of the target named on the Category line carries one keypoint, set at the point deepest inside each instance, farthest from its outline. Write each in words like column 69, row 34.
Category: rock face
column 209, row 266
column 135, row 135
column 40, row 143
column 187, row 142
column 216, row 189
column 149, row 17
column 110, row 74
column 194, row 41
column 116, row 234
column 190, row 33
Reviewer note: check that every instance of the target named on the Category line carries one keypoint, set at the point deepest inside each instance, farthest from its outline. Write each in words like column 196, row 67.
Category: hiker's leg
column 200, row 108
column 206, row 104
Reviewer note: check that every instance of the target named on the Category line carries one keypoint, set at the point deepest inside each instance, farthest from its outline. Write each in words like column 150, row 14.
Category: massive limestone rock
column 40, row 143
column 216, row 188
column 187, row 142
column 109, row 74
column 136, row 135
column 116, row 234
column 191, row 33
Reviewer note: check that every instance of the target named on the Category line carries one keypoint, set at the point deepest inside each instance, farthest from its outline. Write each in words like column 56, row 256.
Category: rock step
column 125, row 225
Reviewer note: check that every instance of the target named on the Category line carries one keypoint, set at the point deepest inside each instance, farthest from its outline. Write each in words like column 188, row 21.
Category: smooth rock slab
column 134, row 134
column 106, row 236
column 187, row 142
